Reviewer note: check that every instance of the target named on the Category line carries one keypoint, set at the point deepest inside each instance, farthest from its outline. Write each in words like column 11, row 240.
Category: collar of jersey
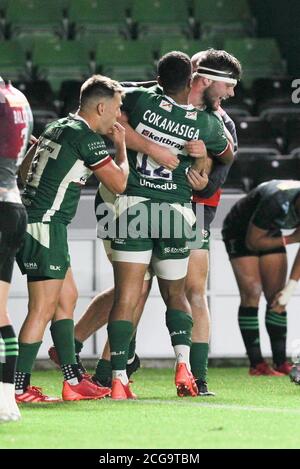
column 188, row 107
column 79, row 118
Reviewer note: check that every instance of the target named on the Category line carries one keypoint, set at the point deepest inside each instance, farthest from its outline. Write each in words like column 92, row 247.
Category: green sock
column 27, row 356
column 132, row 346
column 119, row 335
column 62, row 333
column 199, row 359
column 180, row 326
column 249, row 327
column 78, row 345
column 104, row 372
column 276, row 325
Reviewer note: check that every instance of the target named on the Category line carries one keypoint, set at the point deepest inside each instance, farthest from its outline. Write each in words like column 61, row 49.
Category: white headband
column 216, row 75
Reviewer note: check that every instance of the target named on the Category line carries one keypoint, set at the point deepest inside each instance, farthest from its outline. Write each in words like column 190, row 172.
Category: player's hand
column 32, row 139
column 197, row 180
column 196, row 149
column 164, row 157
column 294, row 237
column 276, row 304
column 117, row 134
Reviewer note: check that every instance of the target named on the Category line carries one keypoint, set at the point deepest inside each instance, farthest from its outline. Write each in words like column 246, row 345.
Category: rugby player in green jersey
column 169, row 120
column 66, row 154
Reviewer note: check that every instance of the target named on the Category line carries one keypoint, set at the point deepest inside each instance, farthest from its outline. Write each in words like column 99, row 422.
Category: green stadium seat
column 27, row 16
column 60, row 60
column 101, row 16
column 12, row 60
column 190, row 47
column 233, row 16
column 160, row 16
column 260, row 58
column 125, row 60
column 28, row 40
column 91, row 39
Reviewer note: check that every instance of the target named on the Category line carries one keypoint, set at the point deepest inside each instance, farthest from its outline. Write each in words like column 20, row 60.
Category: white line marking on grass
column 183, row 402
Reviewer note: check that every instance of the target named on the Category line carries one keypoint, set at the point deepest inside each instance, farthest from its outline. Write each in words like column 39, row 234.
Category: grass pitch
column 247, row 412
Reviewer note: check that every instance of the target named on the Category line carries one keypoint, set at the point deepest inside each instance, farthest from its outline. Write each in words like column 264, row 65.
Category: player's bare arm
column 114, row 175
column 134, row 141
column 260, row 240
column 197, row 150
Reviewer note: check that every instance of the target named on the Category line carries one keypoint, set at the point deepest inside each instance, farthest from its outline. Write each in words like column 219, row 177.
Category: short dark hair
column 98, row 86
column 174, row 70
column 220, row 60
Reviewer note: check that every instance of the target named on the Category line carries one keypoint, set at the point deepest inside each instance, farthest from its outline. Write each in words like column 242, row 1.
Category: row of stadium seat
column 133, row 16
column 51, row 58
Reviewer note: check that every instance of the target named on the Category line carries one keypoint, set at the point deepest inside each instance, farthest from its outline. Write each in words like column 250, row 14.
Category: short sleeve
column 93, row 151
column 217, row 144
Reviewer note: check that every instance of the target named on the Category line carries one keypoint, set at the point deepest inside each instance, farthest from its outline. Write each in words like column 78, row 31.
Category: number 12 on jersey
column 148, row 168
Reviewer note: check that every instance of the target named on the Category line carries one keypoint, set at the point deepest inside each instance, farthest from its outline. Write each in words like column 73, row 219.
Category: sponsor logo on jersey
column 55, row 267
column 171, row 127
column 119, row 241
column 102, row 152
column 122, row 352
column 176, row 250
column 49, row 147
column 95, row 145
column 191, row 115
column 166, row 105
column 31, row 265
column 167, row 186
column 162, row 138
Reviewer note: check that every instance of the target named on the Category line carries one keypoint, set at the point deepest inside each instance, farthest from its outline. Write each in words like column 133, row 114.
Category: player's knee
column 43, row 312
column 196, row 299
column 73, row 296
column 4, row 318
column 250, row 295
column 196, row 293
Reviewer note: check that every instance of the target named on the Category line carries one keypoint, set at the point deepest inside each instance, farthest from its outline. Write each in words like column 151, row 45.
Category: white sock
column 121, row 375
column 9, row 392
column 4, row 410
column 182, row 353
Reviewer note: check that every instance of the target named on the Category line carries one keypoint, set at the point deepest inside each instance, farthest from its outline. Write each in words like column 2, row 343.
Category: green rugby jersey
column 68, row 150
column 158, row 118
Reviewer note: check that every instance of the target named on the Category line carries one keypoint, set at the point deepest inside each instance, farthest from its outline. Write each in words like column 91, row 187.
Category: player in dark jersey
column 257, row 252
column 67, row 153
column 15, row 129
